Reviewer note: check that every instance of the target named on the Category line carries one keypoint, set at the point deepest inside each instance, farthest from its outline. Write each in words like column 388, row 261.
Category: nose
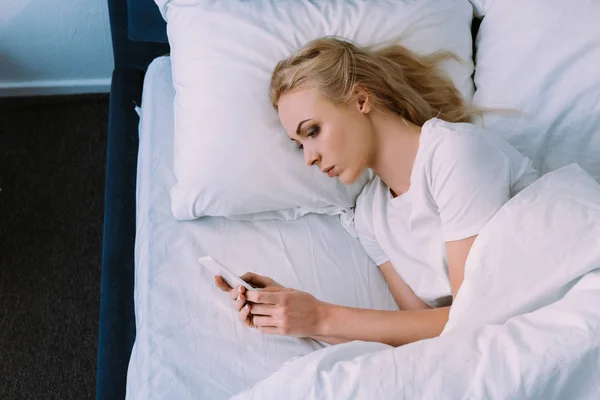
column 311, row 157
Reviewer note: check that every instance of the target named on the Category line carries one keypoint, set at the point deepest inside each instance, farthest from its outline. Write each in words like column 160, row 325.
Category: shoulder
column 463, row 143
column 455, row 138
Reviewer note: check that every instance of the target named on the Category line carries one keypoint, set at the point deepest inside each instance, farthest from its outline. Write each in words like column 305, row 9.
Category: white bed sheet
column 189, row 343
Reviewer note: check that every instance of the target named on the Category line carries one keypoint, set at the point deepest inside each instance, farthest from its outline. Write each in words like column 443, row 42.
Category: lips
column 329, row 171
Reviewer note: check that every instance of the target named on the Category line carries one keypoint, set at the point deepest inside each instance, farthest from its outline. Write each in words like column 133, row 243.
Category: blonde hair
column 408, row 84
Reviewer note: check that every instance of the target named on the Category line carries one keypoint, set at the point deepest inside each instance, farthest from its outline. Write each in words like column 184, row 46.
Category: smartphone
column 219, row 269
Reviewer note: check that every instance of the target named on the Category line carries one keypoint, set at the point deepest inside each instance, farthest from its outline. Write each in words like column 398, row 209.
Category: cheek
column 341, row 142
column 357, row 142
column 333, row 144
column 346, row 142
column 346, row 138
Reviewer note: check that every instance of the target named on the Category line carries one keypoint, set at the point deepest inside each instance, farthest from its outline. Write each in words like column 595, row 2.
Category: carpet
column 52, row 166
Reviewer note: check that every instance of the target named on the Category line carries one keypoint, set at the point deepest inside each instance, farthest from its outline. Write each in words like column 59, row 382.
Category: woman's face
column 336, row 138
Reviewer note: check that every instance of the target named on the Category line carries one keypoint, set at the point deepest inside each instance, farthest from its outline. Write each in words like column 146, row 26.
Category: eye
column 313, row 131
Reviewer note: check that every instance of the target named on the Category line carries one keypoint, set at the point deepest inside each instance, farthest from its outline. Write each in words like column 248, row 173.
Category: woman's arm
column 405, row 298
column 458, row 251
column 283, row 311
column 291, row 312
column 394, row 328
column 397, row 328
column 329, row 339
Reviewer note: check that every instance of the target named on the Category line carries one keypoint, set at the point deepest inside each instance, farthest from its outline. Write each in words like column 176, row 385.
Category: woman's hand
column 238, row 296
column 284, row 311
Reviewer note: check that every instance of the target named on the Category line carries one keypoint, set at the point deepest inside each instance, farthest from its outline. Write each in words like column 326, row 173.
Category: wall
column 54, row 47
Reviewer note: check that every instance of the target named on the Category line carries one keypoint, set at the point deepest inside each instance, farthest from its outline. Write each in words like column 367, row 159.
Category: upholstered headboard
column 138, row 36
column 144, row 22
column 138, row 31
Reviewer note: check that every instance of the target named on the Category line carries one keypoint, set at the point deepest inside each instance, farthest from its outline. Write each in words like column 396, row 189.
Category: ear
column 363, row 99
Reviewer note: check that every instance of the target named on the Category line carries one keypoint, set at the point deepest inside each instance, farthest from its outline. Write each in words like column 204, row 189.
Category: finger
column 265, row 297
column 243, row 315
column 260, row 321
column 263, row 309
column 234, row 293
column 239, row 303
column 256, row 280
column 275, row 289
column 221, row 284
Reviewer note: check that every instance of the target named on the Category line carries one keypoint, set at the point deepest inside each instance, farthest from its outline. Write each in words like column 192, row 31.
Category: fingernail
column 240, row 289
column 237, row 298
column 246, row 307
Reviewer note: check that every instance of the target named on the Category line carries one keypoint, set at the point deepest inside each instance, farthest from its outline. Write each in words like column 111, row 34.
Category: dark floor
column 52, row 157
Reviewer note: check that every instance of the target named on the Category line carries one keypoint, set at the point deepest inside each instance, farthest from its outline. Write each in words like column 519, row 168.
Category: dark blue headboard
column 144, row 22
column 138, row 53
column 138, row 36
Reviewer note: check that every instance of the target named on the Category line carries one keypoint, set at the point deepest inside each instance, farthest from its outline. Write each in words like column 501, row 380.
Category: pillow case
column 543, row 62
column 232, row 157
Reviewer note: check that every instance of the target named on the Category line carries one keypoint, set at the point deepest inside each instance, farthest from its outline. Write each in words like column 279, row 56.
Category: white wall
column 54, row 47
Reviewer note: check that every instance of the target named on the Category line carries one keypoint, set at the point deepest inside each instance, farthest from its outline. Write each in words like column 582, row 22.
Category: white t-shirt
column 461, row 177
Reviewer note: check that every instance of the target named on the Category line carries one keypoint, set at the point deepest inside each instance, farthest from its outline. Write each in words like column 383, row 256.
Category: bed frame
column 138, row 37
column 137, row 30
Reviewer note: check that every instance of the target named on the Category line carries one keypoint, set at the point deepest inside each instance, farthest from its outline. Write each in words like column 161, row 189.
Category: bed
column 166, row 332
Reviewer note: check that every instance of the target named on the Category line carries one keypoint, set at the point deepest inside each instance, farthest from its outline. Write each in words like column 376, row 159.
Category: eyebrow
column 300, row 126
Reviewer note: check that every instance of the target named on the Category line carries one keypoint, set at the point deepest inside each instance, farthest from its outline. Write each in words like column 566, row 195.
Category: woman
column 439, row 180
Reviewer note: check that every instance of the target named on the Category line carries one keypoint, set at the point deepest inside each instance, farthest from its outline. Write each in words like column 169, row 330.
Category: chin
column 351, row 175
column 348, row 177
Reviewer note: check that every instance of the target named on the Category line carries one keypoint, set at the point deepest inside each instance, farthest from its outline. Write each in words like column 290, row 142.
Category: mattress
column 189, row 343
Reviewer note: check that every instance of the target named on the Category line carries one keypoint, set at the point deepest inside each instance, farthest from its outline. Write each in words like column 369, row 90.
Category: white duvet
column 525, row 324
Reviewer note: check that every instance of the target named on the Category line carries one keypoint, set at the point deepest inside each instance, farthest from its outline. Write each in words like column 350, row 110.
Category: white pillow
column 542, row 58
column 232, row 156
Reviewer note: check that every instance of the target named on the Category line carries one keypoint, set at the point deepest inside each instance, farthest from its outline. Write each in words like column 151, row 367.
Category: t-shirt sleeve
column 470, row 181
column 363, row 224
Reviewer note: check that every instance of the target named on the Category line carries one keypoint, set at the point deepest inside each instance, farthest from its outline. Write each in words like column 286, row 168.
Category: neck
column 396, row 146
